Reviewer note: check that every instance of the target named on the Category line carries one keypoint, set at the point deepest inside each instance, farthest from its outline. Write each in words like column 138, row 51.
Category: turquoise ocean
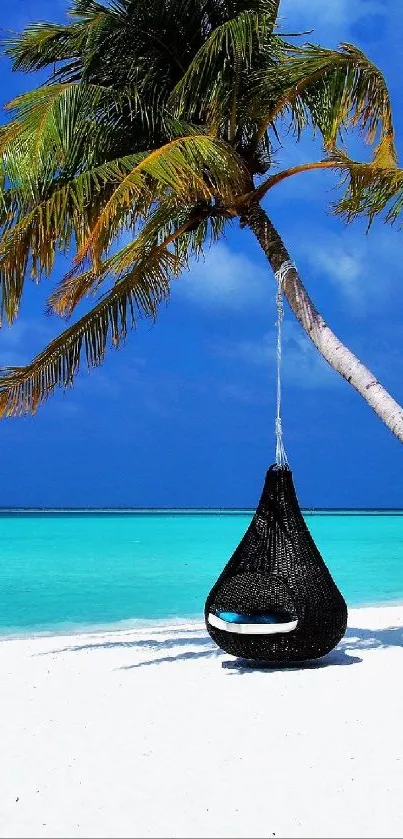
column 69, row 570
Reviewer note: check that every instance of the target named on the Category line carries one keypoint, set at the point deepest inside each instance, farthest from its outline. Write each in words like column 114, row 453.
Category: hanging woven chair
column 275, row 600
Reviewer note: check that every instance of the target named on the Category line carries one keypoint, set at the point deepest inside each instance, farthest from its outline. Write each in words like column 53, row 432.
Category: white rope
column 281, row 456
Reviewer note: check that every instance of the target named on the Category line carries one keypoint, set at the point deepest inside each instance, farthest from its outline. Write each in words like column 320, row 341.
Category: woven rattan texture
column 277, row 566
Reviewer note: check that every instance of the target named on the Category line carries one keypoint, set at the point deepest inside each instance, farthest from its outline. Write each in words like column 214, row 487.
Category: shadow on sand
column 185, row 637
column 167, row 650
column 337, row 658
column 356, row 638
column 185, row 656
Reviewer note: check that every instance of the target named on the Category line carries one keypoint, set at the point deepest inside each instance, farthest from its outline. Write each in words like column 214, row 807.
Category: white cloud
column 302, row 366
column 363, row 268
column 224, row 278
column 344, row 263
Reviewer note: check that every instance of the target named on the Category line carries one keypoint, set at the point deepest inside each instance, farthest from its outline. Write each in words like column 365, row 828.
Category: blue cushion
column 261, row 617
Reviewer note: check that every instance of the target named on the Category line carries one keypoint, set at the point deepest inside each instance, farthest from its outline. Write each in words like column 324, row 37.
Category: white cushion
column 251, row 628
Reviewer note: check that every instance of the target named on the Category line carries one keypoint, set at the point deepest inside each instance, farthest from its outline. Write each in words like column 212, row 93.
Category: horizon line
column 241, row 510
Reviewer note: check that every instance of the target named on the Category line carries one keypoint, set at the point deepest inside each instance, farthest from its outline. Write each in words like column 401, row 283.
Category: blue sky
column 183, row 414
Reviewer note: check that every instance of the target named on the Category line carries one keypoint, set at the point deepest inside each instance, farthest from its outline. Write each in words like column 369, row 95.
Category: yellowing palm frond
column 190, row 168
column 330, row 89
column 371, row 189
column 188, row 229
column 73, row 288
column 23, row 389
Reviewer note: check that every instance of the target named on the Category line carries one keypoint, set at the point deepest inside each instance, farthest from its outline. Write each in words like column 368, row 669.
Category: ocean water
column 72, row 570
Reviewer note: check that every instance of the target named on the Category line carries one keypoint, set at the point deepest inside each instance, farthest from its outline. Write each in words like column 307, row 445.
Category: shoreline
column 375, row 612
column 137, row 624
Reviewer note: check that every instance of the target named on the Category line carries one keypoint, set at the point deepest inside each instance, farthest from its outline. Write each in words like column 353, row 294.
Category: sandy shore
column 156, row 733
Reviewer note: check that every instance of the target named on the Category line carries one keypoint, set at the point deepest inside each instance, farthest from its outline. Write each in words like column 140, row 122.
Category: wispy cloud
column 225, row 279
column 362, row 268
column 342, row 262
column 302, row 366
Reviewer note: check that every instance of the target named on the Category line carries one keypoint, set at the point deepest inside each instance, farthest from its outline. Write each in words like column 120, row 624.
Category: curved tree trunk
column 331, row 348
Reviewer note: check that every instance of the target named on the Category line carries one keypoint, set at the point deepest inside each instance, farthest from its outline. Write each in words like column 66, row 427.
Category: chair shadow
column 337, row 658
column 357, row 638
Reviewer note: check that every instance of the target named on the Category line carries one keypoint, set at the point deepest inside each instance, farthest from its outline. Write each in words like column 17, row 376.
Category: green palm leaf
column 209, row 86
column 73, row 209
column 44, row 44
column 51, row 131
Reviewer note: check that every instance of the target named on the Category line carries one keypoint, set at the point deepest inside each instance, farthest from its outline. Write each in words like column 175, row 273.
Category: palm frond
column 47, row 131
column 73, row 288
column 61, row 47
column 188, row 228
column 210, row 83
column 371, row 189
column 329, row 89
column 32, row 237
column 23, row 389
column 45, row 44
column 265, row 186
column 190, row 168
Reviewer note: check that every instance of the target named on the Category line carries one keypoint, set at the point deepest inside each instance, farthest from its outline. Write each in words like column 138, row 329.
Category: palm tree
column 159, row 121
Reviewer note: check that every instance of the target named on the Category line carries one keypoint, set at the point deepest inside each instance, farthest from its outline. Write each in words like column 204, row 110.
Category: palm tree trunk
column 331, row 348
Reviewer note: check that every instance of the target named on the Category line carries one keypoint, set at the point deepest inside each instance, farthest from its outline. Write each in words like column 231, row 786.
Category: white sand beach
column 140, row 733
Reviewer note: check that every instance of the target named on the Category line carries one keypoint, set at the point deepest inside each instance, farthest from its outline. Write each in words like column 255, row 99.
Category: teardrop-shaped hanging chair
column 275, row 600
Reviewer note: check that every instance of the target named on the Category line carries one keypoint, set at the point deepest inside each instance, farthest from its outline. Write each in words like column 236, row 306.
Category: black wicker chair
column 277, row 577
